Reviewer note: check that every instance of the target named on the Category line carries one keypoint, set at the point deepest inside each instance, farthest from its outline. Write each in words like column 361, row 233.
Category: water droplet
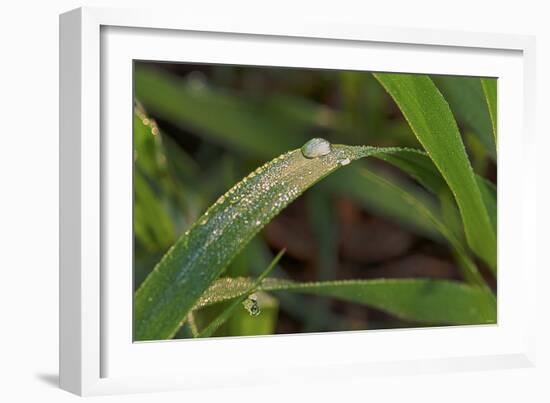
column 251, row 305
column 316, row 147
column 344, row 162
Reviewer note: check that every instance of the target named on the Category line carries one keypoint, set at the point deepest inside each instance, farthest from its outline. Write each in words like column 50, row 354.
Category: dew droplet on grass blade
column 344, row 162
column 316, row 147
column 251, row 305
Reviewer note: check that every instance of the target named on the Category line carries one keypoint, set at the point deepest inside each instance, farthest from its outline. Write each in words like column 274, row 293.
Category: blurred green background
column 198, row 129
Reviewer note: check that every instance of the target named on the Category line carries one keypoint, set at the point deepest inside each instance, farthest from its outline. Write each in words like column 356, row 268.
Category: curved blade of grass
column 154, row 152
column 226, row 314
column 489, row 195
column 384, row 200
column 204, row 251
column 387, row 196
column 432, row 122
column 418, row 164
column 467, row 101
column 415, row 207
column 424, row 209
column 490, row 90
column 174, row 172
column 423, row 300
column 324, row 226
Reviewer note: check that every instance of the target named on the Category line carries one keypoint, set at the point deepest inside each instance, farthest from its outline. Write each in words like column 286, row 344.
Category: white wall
column 29, row 188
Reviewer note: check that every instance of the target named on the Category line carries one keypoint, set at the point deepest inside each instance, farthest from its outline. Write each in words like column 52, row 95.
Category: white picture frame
column 96, row 49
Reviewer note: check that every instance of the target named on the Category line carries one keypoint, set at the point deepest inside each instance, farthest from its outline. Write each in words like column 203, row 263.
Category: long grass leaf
column 490, row 90
column 467, row 101
column 424, row 300
column 422, row 208
column 383, row 200
column 418, row 165
column 432, row 122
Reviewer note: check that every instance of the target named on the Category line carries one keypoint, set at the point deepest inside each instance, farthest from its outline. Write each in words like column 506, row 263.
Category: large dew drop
column 316, row 147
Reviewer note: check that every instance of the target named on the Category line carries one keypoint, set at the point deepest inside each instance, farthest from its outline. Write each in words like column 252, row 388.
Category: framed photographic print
column 231, row 191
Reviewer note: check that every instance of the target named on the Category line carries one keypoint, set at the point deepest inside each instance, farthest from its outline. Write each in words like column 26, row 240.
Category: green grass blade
column 467, row 101
column 419, row 166
column 385, row 200
column 192, row 325
column 151, row 216
column 490, row 90
column 226, row 314
column 323, row 222
column 489, row 195
column 204, row 251
column 423, row 300
column 432, row 122
column 324, row 226
column 427, row 211
column 170, row 173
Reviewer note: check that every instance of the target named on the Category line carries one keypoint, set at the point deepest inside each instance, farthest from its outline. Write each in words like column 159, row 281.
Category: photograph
column 273, row 200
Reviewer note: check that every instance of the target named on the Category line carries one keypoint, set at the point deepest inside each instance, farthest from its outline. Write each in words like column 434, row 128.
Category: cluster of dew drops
column 314, row 148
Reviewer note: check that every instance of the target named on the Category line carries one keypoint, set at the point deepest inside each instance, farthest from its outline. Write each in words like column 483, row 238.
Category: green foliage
column 433, row 124
column 424, row 300
column 443, row 199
